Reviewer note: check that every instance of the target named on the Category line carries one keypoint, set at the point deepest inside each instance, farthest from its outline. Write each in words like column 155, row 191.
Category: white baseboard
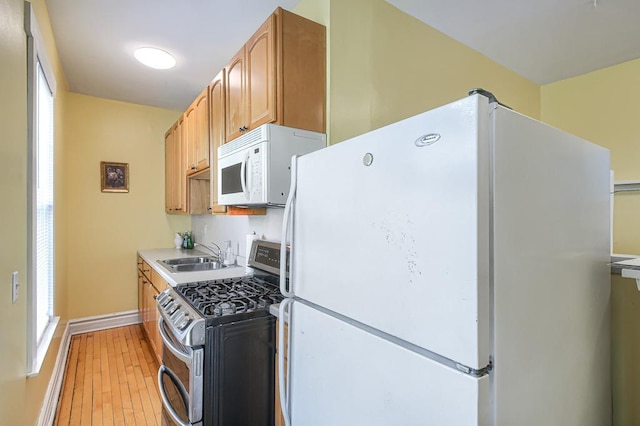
column 103, row 322
column 73, row 327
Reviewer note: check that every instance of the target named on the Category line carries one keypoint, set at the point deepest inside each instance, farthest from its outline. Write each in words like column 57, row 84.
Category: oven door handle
column 243, row 177
column 165, row 400
column 182, row 356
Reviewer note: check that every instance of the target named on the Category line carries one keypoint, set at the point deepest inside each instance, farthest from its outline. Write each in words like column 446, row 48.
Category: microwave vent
column 256, row 135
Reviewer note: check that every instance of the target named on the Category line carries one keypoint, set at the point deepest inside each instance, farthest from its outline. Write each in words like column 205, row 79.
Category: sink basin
column 192, row 264
column 189, row 260
column 190, row 267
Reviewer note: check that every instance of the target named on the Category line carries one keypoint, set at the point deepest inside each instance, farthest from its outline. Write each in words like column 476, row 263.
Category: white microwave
column 254, row 169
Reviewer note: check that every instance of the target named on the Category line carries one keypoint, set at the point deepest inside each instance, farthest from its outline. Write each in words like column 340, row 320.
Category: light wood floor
column 110, row 379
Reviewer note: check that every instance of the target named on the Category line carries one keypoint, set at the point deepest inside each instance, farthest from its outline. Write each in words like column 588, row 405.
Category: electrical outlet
column 14, row 287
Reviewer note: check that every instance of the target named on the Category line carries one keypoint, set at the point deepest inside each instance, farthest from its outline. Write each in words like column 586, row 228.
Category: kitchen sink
column 189, row 260
column 192, row 264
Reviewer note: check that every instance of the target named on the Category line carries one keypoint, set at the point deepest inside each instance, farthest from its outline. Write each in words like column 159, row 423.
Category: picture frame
column 114, row 177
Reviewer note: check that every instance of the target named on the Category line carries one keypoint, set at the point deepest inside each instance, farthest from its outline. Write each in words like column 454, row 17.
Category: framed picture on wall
column 114, row 177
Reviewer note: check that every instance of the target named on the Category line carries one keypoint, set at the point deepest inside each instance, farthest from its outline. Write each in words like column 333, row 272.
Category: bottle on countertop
column 178, row 241
column 229, row 256
column 187, row 240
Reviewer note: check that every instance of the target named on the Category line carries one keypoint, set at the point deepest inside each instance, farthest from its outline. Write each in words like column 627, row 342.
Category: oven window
column 230, row 180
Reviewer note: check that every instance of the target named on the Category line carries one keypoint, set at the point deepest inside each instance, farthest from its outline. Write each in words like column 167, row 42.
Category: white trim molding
column 73, row 327
column 103, row 322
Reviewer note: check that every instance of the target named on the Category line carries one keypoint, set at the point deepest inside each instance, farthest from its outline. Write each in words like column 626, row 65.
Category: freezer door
column 342, row 375
column 391, row 229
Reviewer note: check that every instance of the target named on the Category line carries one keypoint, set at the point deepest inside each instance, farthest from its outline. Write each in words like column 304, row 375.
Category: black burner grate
column 232, row 295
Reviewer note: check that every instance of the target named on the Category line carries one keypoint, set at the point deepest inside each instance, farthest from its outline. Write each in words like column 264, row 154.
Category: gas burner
column 231, row 296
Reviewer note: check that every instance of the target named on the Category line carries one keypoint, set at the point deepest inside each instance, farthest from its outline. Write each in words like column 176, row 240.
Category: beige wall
column 603, row 107
column 386, row 66
column 106, row 229
column 21, row 398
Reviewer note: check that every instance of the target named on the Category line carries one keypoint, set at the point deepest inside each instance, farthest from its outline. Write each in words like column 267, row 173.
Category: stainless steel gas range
column 219, row 347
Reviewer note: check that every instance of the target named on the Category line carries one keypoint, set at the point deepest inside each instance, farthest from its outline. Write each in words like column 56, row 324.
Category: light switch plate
column 14, row 287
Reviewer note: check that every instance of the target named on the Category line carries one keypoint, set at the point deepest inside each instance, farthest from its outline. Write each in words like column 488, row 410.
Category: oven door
column 242, row 176
column 180, row 380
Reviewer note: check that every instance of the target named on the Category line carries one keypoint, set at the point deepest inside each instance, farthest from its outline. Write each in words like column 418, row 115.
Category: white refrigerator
column 449, row 269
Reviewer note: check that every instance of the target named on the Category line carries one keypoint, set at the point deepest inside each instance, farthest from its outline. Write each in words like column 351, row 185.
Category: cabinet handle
column 193, row 167
column 243, row 129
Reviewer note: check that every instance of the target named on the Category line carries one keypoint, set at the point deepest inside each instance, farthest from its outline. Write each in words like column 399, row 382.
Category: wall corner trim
column 73, row 327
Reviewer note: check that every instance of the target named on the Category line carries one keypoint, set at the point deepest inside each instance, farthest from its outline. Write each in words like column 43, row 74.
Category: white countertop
column 152, row 256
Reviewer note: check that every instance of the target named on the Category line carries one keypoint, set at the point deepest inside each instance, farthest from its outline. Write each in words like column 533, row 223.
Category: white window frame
column 36, row 53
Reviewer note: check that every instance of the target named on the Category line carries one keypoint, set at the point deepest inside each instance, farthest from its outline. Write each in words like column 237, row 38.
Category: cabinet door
column 175, row 178
column 261, row 75
column 141, row 282
column 154, row 315
column 202, row 131
column 179, row 168
column 235, row 97
column 190, row 123
column 197, row 133
column 216, row 134
column 169, row 181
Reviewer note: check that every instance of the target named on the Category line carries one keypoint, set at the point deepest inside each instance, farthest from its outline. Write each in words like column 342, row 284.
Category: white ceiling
column 96, row 40
column 542, row 40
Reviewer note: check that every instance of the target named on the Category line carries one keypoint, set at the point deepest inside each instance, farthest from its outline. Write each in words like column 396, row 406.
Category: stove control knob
column 184, row 322
column 176, row 315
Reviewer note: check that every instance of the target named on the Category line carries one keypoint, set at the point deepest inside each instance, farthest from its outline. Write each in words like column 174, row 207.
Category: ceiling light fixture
column 155, row 58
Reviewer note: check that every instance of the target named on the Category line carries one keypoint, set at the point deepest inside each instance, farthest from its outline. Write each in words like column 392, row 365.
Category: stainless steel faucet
column 217, row 254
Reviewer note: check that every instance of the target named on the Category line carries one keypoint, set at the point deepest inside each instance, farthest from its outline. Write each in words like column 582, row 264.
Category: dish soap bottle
column 229, row 256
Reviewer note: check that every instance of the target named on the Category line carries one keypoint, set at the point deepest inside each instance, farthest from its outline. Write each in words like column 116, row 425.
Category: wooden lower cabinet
column 279, row 419
column 150, row 285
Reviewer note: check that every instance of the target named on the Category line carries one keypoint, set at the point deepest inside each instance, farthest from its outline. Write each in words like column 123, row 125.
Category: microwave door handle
column 243, row 176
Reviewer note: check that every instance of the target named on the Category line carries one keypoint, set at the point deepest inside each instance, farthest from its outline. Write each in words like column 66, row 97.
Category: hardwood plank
column 96, row 377
column 125, row 392
column 116, row 398
column 64, row 405
column 133, row 368
column 142, row 374
column 110, row 379
column 78, row 387
column 87, row 389
column 107, row 406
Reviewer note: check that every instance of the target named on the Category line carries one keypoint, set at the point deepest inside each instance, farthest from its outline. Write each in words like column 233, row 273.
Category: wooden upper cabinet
column 235, row 92
column 261, row 75
column 169, row 184
column 174, row 169
column 217, row 134
column 279, row 76
column 179, row 165
column 175, row 178
column 197, row 133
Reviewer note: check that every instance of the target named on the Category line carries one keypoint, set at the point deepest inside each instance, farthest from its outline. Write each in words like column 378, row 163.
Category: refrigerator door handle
column 284, row 377
column 288, row 213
